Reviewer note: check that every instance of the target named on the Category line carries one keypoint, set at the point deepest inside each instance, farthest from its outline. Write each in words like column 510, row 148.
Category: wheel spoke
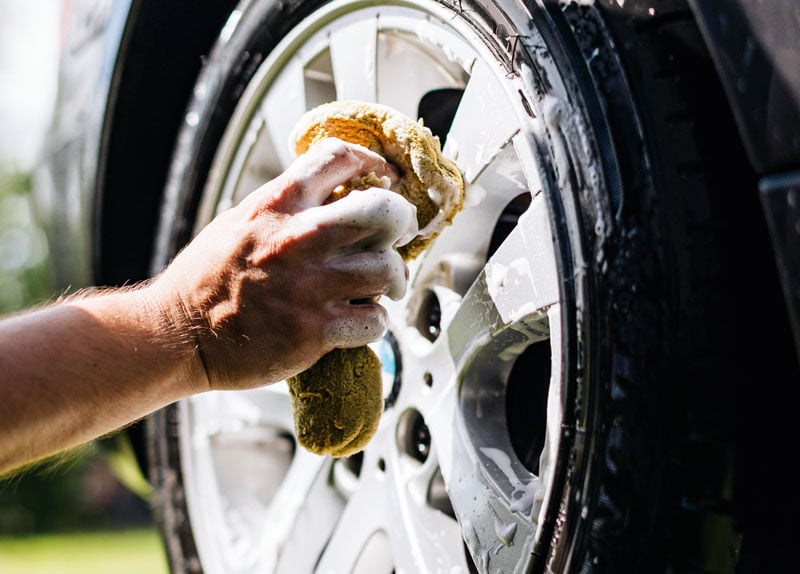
column 300, row 517
column 238, row 458
column 259, row 165
column 517, row 285
column 272, row 402
column 283, row 106
column 418, row 536
column 439, row 411
column 406, row 68
column 353, row 53
column 473, row 144
column 521, row 275
column 509, row 307
column 424, row 538
column 361, row 522
column 500, row 183
column 494, row 501
column 223, row 412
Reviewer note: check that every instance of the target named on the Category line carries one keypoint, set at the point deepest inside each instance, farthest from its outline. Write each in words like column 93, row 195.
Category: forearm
column 259, row 295
column 117, row 358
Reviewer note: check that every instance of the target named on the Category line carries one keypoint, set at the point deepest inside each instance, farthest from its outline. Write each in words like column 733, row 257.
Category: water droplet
column 505, row 532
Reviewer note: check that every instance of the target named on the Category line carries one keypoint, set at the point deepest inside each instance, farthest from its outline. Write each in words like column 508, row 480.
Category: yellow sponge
column 338, row 401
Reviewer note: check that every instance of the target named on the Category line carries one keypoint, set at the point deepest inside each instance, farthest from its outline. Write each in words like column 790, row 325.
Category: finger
column 377, row 219
column 328, row 241
column 369, row 274
column 354, row 325
column 361, row 277
column 330, row 163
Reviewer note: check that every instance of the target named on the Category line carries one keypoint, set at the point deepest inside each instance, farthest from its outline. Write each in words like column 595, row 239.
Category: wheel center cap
column 388, row 352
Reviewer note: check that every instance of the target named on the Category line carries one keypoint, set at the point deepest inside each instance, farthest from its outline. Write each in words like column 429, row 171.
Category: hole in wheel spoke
column 503, row 400
column 354, row 463
column 413, row 436
column 437, row 496
column 252, row 463
column 437, row 109
column 319, row 84
column 429, row 317
column 508, row 220
column 526, row 404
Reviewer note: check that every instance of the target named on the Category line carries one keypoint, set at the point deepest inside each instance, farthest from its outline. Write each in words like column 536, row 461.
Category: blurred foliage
column 73, row 492
column 25, row 274
column 76, row 491
column 40, row 501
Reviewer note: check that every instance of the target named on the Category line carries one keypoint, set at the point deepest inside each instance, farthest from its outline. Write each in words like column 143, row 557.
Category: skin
column 259, row 295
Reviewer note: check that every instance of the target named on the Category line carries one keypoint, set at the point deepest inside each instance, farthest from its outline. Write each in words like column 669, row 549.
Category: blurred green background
column 74, row 516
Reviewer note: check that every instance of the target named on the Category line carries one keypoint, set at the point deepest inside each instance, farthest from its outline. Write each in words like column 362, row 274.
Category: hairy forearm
column 117, row 357
column 259, row 295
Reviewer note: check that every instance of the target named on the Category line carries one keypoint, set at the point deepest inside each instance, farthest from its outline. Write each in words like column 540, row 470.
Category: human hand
column 277, row 281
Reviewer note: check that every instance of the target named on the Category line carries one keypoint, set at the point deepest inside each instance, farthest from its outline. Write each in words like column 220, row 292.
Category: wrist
column 178, row 330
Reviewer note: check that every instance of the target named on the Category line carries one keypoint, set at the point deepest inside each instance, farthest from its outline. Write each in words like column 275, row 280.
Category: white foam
column 356, row 329
column 392, row 216
column 392, row 221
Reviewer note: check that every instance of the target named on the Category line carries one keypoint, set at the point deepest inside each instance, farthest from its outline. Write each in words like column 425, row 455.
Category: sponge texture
column 427, row 179
column 338, row 402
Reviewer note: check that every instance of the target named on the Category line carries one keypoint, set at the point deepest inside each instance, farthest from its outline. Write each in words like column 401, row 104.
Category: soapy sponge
column 338, row 402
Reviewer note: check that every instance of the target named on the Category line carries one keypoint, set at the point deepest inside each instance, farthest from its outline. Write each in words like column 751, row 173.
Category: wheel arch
column 752, row 51
column 161, row 53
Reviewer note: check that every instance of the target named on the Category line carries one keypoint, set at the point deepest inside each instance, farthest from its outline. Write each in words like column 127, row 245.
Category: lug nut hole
column 413, row 436
column 429, row 320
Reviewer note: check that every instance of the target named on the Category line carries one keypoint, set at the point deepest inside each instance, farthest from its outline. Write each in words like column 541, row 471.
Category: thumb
column 329, row 164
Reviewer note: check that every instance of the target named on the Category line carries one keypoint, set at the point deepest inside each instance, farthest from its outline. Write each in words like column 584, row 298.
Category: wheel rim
column 466, row 451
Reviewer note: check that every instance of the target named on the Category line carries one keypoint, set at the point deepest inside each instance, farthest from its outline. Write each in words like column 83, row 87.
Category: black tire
column 649, row 191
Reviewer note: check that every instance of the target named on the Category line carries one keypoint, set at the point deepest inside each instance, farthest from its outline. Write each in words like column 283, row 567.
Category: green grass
column 122, row 552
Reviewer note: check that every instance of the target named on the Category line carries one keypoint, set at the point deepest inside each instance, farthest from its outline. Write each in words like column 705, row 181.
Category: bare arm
column 260, row 294
column 74, row 371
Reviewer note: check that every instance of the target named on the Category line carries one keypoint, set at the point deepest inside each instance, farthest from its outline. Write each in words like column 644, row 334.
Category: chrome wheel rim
column 460, row 471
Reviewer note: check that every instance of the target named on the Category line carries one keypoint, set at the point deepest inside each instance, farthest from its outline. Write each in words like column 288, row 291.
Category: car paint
column 65, row 180
column 755, row 49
